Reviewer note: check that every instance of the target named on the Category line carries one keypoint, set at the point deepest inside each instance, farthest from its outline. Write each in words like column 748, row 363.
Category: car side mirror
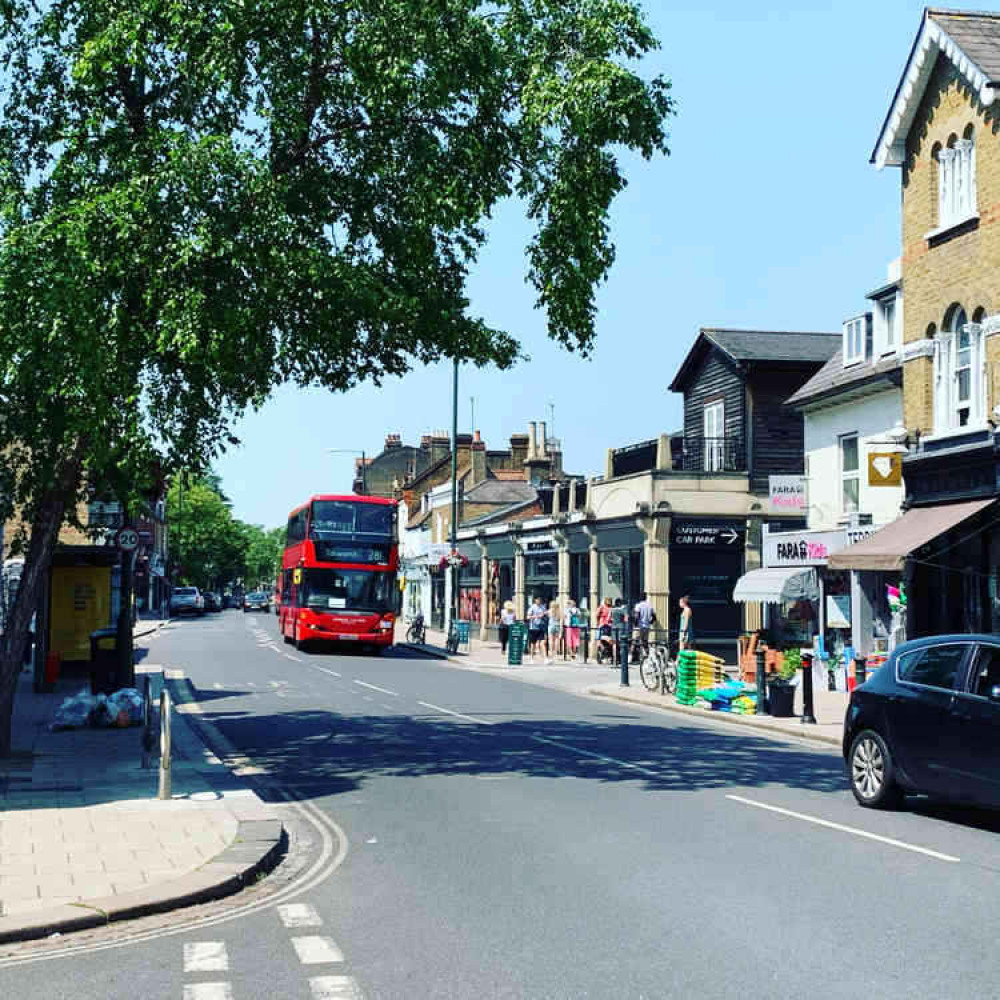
column 995, row 692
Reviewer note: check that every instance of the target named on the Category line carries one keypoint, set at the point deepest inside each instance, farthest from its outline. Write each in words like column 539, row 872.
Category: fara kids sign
column 787, row 494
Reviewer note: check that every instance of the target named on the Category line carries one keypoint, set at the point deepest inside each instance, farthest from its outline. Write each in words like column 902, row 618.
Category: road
column 493, row 838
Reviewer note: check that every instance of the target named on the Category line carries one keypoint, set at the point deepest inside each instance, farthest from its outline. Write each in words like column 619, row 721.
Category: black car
column 212, row 601
column 257, row 601
column 928, row 721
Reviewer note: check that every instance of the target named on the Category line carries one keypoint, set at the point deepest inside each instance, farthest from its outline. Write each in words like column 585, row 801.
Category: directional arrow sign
column 730, row 536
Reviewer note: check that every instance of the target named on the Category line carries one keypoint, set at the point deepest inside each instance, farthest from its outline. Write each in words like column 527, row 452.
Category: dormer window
column 956, row 180
column 854, row 340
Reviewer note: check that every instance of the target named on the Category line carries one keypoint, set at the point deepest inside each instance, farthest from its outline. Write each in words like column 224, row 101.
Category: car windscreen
column 346, row 590
column 333, row 518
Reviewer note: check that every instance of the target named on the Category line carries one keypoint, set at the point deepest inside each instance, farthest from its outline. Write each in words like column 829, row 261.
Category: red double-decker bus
column 338, row 573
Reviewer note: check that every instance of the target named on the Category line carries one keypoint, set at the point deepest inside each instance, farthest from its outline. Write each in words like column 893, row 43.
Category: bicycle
column 451, row 643
column 417, row 632
column 657, row 670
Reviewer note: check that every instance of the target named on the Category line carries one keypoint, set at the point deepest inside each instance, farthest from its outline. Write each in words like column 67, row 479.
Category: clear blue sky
column 766, row 215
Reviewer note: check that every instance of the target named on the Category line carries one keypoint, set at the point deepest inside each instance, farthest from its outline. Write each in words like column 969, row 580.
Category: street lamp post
column 454, row 493
column 364, row 463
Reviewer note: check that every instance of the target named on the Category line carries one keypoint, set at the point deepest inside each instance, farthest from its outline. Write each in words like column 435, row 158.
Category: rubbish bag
column 75, row 712
column 124, row 707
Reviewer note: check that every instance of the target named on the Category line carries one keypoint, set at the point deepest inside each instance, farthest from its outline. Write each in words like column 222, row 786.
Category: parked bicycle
column 451, row 643
column 417, row 632
column 658, row 669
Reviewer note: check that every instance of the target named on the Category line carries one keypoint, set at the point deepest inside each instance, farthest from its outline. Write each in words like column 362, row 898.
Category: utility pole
column 472, row 404
column 453, row 603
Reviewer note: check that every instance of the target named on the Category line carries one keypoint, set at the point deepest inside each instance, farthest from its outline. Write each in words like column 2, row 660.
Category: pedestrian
column 583, row 620
column 555, row 627
column 619, row 619
column 507, row 618
column 571, row 628
column 536, row 627
column 644, row 618
column 605, row 643
column 687, row 624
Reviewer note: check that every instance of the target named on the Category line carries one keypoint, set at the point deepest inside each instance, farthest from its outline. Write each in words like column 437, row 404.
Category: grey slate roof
column 774, row 345
column 500, row 491
column 833, row 378
column 976, row 33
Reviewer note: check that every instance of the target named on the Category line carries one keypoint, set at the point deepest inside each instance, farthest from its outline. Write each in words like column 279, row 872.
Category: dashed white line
column 375, row 687
column 854, row 831
column 326, row 670
column 205, row 956
column 335, row 988
column 315, row 950
column 460, row 715
column 597, row 756
column 208, row 991
column 292, row 656
column 299, row 915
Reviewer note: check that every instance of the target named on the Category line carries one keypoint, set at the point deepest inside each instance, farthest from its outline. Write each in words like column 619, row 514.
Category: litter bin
column 464, row 630
column 781, row 697
column 104, row 661
column 515, row 643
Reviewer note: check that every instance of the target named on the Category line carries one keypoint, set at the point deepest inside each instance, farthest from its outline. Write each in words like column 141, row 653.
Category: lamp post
column 453, row 603
column 364, row 463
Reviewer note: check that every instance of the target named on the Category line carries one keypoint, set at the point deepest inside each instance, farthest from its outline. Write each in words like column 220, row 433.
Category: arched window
column 959, row 373
column 957, row 179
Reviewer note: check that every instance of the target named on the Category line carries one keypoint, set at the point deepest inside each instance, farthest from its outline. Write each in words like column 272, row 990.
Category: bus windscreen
column 333, row 518
column 346, row 590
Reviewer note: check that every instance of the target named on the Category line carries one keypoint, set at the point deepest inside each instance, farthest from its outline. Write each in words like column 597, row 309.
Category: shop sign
column 803, row 548
column 436, row 551
column 787, row 494
column 708, row 534
column 540, row 543
column 885, row 468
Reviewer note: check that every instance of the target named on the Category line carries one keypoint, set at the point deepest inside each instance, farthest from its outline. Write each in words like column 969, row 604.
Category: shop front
column 620, row 563
column 500, row 553
column 541, row 568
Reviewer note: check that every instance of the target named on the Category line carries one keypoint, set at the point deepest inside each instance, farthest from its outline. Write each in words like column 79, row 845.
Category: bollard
column 860, row 670
column 623, row 655
column 761, row 689
column 164, row 790
column 585, row 640
column 807, row 689
column 148, row 740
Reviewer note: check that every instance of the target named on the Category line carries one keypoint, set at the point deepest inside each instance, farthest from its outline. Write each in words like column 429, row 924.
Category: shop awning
column 775, row 586
column 888, row 548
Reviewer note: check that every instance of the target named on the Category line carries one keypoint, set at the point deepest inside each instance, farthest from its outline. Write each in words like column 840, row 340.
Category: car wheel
column 873, row 773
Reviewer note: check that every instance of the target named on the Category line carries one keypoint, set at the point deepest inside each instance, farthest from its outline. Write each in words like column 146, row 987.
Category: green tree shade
column 200, row 201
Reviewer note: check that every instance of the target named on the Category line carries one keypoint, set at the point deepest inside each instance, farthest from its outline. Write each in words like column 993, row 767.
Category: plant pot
column 781, row 699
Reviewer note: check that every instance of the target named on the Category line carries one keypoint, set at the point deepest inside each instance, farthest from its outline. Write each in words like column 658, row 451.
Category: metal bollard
column 585, row 640
column 148, row 740
column 807, row 689
column 164, row 790
column 761, row 689
column 860, row 670
column 623, row 655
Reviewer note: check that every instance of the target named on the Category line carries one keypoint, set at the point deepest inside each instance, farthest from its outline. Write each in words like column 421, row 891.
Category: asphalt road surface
column 495, row 839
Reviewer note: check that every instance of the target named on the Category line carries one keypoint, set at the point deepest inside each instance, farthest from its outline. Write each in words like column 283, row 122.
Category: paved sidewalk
column 84, row 838
column 593, row 679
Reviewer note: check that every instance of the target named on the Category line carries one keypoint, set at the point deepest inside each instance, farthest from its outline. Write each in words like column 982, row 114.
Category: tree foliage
column 200, row 200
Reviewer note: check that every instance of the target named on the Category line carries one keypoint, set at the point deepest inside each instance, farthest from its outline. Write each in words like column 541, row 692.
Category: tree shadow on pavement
column 323, row 753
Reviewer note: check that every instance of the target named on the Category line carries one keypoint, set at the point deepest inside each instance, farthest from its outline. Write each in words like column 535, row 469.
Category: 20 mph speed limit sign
column 128, row 539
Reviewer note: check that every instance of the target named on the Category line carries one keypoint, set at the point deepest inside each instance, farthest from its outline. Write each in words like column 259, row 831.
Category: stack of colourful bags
column 696, row 670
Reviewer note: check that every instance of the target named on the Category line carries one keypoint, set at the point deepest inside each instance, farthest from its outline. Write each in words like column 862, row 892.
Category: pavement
column 84, row 839
column 601, row 681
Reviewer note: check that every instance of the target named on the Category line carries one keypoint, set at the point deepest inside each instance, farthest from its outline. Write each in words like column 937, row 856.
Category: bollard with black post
column 623, row 654
column 761, row 689
column 860, row 670
column 807, row 689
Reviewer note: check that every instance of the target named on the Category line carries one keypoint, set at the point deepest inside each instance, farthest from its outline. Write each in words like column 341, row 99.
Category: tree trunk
column 48, row 519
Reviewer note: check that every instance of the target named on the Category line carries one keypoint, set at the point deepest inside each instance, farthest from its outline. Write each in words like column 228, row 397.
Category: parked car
column 257, row 601
column 927, row 721
column 186, row 601
column 228, row 601
column 212, row 601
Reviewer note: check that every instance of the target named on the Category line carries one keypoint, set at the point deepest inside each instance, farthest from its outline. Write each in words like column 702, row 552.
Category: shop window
column 850, row 478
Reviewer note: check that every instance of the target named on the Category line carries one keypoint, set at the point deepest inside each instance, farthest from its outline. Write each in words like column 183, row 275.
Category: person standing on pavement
column 536, row 627
column 571, row 628
column 555, row 626
column 507, row 618
column 687, row 624
column 644, row 618
column 619, row 619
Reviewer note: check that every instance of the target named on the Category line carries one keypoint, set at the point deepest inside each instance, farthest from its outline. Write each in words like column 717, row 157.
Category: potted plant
column 781, row 690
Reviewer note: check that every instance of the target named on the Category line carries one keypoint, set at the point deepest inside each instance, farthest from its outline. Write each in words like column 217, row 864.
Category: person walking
column 644, row 618
column 507, row 618
column 536, row 627
column 605, row 643
column 687, row 624
column 619, row 619
column 571, row 628
column 583, row 621
column 555, row 626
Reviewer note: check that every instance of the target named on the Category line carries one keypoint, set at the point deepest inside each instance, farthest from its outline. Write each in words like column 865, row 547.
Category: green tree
column 199, row 201
column 208, row 545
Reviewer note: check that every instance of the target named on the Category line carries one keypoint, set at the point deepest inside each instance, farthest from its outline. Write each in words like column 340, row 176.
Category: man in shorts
column 536, row 627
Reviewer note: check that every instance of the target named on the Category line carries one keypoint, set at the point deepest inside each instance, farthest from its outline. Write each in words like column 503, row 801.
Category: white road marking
column 375, row 687
column 315, row 950
column 597, row 756
column 205, row 956
column 299, row 915
column 291, row 656
column 335, row 988
column 208, row 991
column 326, row 670
column 217, row 686
column 250, row 684
column 448, row 711
column 845, row 829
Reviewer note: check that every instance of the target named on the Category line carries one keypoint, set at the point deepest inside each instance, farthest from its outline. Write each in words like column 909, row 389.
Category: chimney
column 478, row 456
column 518, row 450
column 463, row 445
column 542, row 448
column 393, row 441
column 440, row 445
column 532, row 441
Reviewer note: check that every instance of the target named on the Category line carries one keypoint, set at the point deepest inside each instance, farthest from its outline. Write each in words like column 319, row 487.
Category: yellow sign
column 81, row 604
column 885, row 468
column 297, row 577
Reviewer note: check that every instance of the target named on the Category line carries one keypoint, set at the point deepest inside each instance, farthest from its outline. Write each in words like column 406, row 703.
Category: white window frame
column 849, row 475
column 713, row 435
column 949, row 407
column 854, row 338
column 956, row 183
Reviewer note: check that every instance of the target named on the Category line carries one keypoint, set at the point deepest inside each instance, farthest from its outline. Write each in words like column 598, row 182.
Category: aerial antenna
column 552, row 419
column 472, row 404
